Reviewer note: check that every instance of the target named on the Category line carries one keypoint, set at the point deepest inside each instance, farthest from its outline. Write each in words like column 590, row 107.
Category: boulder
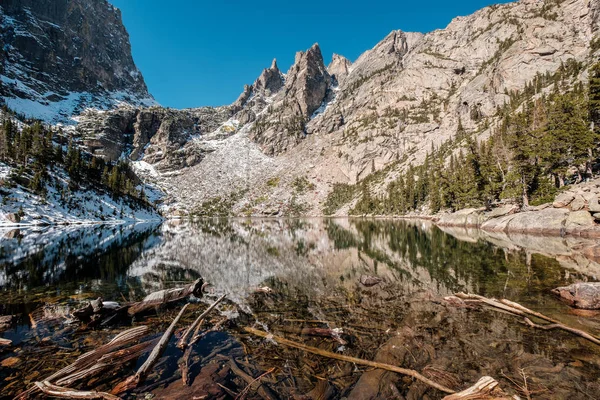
column 594, row 204
column 549, row 220
column 502, row 211
column 579, row 219
column 468, row 217
column 563, row 200
column 578, row 203
column 541, row 207
column 581, row 295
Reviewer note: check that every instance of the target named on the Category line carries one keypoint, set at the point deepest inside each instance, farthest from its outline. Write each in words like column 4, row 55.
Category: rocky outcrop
column 257, row 96
column 270, row 81
column 575, row 211
column 386, row 55
column 581, row 295
column 339, row 68
column 306, row 87
column 307, row 82
column 61, row 56
column 159, row 136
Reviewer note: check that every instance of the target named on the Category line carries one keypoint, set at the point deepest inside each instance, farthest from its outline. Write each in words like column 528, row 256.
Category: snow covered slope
column 21, row 207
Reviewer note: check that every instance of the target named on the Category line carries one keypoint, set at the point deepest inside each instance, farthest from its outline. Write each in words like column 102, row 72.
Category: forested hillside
column 46, row 177
column 547, row 137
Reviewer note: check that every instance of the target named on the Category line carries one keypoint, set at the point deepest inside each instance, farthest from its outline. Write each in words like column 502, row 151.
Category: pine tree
column 7, row 140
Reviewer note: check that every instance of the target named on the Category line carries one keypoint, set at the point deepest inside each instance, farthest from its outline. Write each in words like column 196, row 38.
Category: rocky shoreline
column 576, row 212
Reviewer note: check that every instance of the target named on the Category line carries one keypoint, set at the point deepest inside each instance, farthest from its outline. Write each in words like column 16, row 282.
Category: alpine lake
column 373, row 289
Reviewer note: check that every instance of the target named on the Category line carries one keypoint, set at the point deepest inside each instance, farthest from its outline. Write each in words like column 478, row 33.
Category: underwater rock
column 581, row 295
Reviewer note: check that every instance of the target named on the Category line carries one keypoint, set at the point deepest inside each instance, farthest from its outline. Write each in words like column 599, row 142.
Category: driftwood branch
column 88, row 359
column 64, row 393
column 5, row 342
column 107, row 361
column 341, row 357
column 183, row 342
column 143, row 371
column 485, row 388
column 517, row 309
column 166, row 296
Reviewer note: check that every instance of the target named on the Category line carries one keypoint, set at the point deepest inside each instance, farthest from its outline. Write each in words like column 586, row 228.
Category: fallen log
column 86, row 312
column 142, row 372
column 64, row 393
column 5, row 342
column 519, row 310
column 107, row 362
column 183, row 342
column 485, row 388
column 185, row 362
column 216, row 327
column 166, row 296
column 341, row 357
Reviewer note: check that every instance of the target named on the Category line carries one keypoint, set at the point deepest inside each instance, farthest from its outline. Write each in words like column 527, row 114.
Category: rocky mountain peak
column 274, row 64
column 61, row 56
column 388, row 53
column 270, row 80
column 339, row 67
column 307, row 81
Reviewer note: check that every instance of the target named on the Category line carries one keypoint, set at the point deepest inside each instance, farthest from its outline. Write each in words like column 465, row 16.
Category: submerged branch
column 354, row 360
column 519, row 310
column 143, row 371
column 64, row 393
column 183, row 342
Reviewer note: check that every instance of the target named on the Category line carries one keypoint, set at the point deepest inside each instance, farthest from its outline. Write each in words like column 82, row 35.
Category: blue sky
column 196, row 52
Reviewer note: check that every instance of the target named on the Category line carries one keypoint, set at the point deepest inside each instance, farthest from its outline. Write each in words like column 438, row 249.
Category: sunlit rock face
column 388, row 108
column 62, row 56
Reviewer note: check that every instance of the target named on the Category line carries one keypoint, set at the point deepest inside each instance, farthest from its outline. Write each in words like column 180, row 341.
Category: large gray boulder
column 563, row 200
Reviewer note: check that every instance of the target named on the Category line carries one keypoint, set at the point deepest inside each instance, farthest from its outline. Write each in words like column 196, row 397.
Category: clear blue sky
column 198, row 52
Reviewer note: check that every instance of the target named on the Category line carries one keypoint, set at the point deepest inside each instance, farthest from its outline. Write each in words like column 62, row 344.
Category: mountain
column 291, row 139
column 60, row 57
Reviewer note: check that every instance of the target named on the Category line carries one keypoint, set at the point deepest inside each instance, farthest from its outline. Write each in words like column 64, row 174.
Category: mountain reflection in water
column 239, row 255
column 317, row 269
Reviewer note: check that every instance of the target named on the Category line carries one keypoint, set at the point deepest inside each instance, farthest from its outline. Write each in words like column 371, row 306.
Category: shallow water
column 314, row 268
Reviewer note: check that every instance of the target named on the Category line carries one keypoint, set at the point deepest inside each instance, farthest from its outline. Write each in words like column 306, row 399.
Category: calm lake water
column 316, row 270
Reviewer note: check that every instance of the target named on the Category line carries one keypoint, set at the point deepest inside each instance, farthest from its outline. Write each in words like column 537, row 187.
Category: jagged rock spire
column 308, row 80
column 339, row 67
column 270, row 80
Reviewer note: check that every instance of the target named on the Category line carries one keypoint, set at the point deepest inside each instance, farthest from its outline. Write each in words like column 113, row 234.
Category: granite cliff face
column 62, row 56
column 306, row 86
column 280, row 147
